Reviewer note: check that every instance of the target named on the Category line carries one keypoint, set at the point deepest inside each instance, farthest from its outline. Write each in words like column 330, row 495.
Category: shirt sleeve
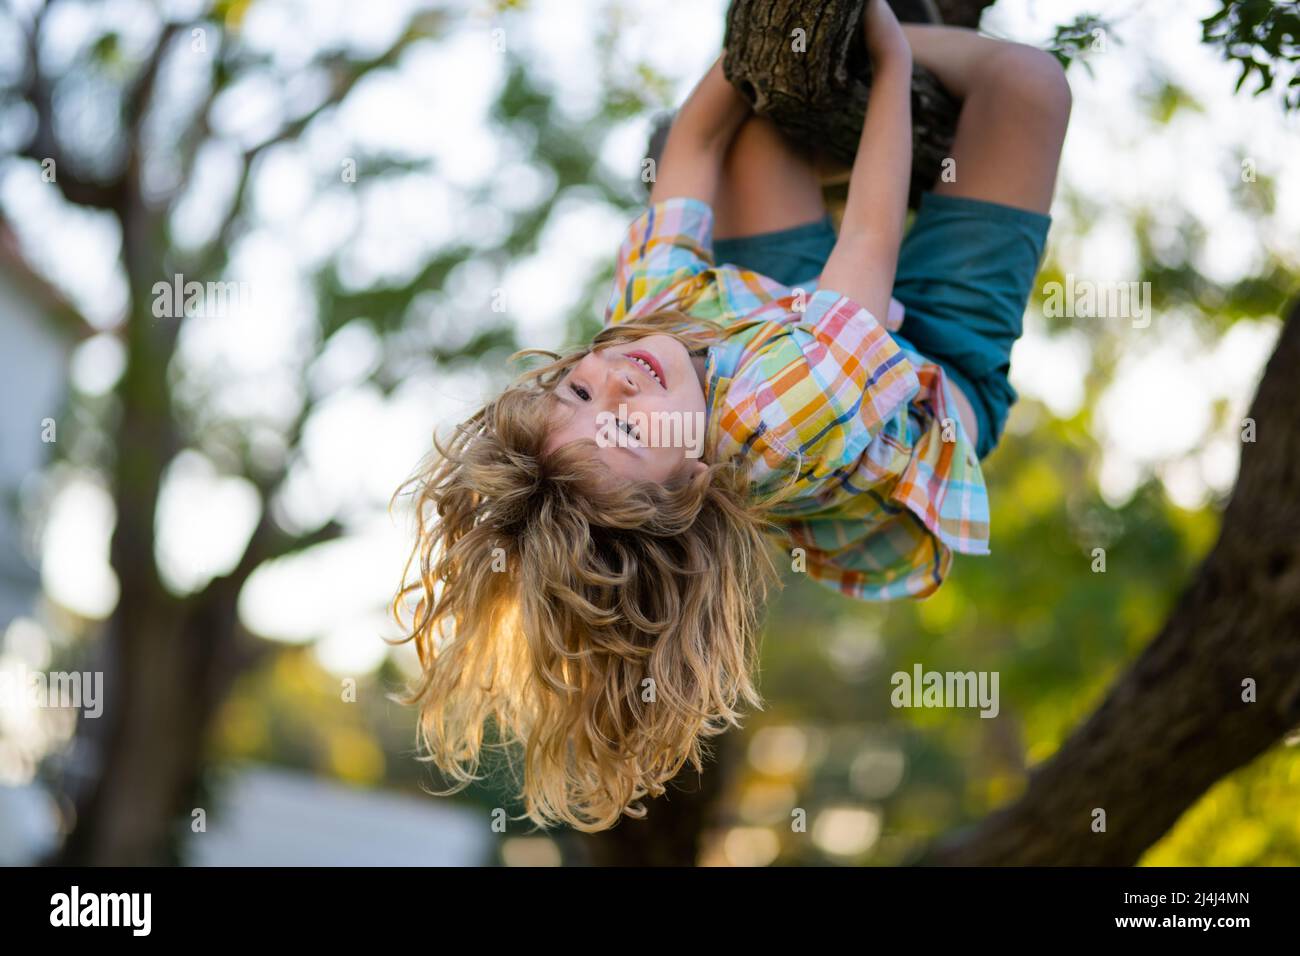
column 668, row 245
column 818, row 388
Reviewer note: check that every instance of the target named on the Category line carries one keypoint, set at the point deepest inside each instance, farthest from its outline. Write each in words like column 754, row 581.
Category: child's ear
column 697, row 467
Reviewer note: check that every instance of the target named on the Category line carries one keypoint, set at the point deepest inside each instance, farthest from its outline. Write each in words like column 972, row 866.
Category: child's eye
column 627, row 427
column 581, row 392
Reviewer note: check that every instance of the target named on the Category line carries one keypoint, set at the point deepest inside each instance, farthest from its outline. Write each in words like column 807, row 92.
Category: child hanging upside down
column 589, row 577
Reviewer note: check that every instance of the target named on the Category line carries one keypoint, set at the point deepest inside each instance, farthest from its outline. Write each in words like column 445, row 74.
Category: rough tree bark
column 804, row 64
column 1175, row 721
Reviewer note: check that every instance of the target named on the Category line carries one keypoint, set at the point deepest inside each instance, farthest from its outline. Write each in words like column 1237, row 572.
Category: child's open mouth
column 651, row 366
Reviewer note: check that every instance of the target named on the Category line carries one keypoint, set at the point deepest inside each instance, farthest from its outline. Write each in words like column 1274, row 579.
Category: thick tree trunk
column 168, row 662
column 673, row 829
column 171, row 663
column 1181, row 716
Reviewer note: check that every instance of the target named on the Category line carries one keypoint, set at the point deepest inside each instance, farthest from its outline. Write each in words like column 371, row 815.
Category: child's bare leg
column 766, row 184
column 1015, row 107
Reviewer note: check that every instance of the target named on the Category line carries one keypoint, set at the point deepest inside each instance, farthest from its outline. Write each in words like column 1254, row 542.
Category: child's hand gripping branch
column 862, row 263
column 597, row 599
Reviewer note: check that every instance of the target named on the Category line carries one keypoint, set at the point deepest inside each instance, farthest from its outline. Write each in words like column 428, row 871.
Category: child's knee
column 1030, row 81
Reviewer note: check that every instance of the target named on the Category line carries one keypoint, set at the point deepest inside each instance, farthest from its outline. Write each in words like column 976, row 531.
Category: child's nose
column 619, row 376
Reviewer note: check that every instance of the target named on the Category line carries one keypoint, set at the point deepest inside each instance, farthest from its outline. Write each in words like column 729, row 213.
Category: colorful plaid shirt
column 810, row 388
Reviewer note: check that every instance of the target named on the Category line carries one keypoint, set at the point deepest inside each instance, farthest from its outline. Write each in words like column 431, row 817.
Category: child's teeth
column 647, row 366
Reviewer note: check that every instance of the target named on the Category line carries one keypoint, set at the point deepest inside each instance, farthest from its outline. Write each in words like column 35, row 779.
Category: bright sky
column 1155, row 418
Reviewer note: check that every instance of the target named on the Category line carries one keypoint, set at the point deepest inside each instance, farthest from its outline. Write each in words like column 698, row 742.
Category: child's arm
column 862, row 264
column 691, row 164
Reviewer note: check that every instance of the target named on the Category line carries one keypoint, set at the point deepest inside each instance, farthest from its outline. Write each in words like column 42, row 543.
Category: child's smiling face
column 643, row 404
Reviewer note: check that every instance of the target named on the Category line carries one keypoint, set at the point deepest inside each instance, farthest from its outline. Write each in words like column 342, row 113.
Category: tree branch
column 44, row 143
column 347, row 74
column 804, row 64
column 1180, row 717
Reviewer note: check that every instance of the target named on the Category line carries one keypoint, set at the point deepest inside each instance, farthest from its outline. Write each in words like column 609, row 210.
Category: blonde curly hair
column 608, row 627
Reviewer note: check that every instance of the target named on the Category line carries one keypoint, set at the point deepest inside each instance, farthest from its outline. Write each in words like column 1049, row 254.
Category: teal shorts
column 966, row 269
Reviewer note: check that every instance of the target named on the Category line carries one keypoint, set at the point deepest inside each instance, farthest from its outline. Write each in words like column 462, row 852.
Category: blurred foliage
column 1247, row 819
column 1073, row 41
column 1262, row 37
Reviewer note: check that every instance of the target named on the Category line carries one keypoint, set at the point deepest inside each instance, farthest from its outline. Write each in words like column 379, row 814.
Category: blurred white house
column 272, row 816
column 38, row 329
